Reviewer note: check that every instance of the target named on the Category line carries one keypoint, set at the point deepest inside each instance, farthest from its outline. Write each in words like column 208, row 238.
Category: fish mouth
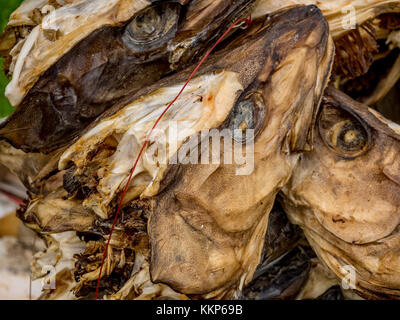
column 235, row 86
column 111, row 63
column 223, row 84
column 374, row 278
column 210, row 207
column 198, row 230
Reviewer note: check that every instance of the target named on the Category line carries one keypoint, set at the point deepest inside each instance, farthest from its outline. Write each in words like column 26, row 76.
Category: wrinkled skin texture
column 265, row 57
column 25, row 166
column 111, row 63
column 59, row 185
column 345, row 194
column 208, row 227
column 332, row 10
column 356, row 48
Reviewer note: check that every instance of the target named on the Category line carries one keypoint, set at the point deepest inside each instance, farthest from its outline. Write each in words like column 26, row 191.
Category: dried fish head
column 355, row 25
column 345, row 194
column 207, row 230
column 84, row 56
column 205, row 248
column 335, row 11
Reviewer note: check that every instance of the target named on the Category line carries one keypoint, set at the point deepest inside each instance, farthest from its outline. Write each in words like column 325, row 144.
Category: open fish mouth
column 170, row 238
column 73, row 72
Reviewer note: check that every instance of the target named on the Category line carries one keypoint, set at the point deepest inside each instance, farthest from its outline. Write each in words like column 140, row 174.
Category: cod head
column 345, row 194
column 70, row 63
column 196, row 211
column 208, row 226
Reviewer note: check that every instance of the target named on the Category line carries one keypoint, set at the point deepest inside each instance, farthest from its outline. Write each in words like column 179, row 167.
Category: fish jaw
column 347, row 201
column 207, row 230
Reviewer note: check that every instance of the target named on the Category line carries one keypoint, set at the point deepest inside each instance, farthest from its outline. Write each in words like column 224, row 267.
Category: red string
column 247, row 22
column 13, row 198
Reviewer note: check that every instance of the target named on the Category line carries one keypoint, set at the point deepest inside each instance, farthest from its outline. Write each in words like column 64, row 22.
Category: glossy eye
column 248, row 114
column 152, row 27
column 343, row 132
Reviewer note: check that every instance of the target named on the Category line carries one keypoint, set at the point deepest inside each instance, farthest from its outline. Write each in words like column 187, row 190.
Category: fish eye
column 152, row 27
column 344, row 133
column 248, row 114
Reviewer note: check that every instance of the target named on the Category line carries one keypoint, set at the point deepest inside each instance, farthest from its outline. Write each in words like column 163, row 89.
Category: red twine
column 246, row 21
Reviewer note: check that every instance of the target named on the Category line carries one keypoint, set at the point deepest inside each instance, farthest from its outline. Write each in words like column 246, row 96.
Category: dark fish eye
column 343, row 132
column 151, row 28
column 248, row 114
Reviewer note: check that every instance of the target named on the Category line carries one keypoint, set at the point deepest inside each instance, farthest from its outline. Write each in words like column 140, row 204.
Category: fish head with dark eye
column 207, row 231
column 345, row 194
column 61, row 83
column 208, row 224
column 100, row 161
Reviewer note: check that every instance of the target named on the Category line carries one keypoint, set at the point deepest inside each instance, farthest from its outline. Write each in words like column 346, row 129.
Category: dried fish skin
column 204, row 22
column 206, row 104
column 129, row 128
column 40, row 52
column 25, row 166
column 207, row 230
column 246, row 68
column 355, row 25
column 52, row 214
column 27, row 16
column 223, row 78
column 345, row 195
column 113, row 49
column 216, row 80
column 332, row 10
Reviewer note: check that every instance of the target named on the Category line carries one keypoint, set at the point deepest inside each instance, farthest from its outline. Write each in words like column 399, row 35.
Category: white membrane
column 72, row 22
column 205, row 104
